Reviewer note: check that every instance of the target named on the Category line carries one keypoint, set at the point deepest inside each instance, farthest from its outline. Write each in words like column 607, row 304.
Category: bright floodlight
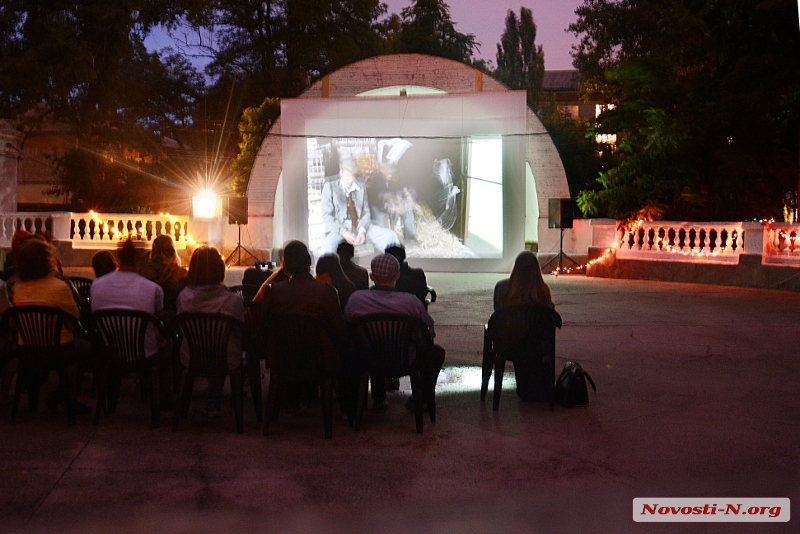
column 206, row 205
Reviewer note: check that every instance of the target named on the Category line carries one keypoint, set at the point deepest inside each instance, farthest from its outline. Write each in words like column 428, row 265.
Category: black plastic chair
column 123, row 333
column 430, row 297
column 82, row 285
column 236, row 289
column 394, row 346
column 207, row 335
column 298, row 341
column 523, row 334
column 40, row 328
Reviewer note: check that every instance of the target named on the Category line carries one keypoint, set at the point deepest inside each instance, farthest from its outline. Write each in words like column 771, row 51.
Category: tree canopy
column 705, row 100
column 520, row 62
column 426, row 28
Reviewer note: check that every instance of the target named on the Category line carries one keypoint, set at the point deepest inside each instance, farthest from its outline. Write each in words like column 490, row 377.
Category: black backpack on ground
column 571, row 387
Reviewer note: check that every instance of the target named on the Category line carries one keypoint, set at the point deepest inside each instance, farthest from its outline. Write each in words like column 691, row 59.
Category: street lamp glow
column 206, row 205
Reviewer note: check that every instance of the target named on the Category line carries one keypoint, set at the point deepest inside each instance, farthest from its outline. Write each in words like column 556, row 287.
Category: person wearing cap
column 346, row 214
column 304, row 295
column 384, row 298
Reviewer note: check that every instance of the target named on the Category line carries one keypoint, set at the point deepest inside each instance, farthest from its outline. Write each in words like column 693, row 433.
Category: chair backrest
column 207, row 335
column 394, row 344
column 39, row 326
column 83, row 285
column 236, row 289
column 123, row 332
column 298, row 340
column 521, row 330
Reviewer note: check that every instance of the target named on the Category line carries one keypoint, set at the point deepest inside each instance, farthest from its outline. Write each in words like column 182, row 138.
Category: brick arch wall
column 404, row 69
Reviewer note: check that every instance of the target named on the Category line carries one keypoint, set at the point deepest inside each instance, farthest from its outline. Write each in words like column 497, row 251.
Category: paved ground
column 697, row 396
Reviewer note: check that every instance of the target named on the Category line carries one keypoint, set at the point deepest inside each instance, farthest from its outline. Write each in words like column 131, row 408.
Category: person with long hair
column 329, row 270
column 39, row 284
column 163, row 268
column 206, row 294
column 525, row 286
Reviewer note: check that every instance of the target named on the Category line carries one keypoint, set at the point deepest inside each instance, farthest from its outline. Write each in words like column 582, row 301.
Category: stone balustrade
column 95, row 231
column 98, row 231
column 717, row 242
column 36, row 223
column 781, row 244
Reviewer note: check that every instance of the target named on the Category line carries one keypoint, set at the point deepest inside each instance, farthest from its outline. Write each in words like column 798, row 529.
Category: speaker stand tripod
column 560, row 256
column 239, row 250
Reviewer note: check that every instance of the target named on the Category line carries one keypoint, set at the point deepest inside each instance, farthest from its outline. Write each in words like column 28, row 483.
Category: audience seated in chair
column 305, row 296
column 384, row 298
column 163, row 268
column 412, row 279
column 126, row 289
column 38, row 283
column 329, row 270
column 356, row 273
column 206, row 294
column 525, row 286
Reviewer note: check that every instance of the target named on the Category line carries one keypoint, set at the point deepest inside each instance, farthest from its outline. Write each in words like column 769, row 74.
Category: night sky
column 486, row 19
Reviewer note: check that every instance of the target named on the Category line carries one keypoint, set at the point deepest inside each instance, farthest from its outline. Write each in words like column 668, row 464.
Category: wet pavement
column 697, row 397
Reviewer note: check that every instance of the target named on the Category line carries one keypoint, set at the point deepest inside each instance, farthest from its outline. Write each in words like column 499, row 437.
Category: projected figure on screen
column 447, row 198
column 392, row 201
column 346, row 214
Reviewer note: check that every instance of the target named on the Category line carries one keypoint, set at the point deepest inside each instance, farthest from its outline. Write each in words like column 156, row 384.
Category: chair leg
column 68, row 384
column 362, row 399
column 238, row 399
column 326, row 387
column 487, row 364
column 253, row 372
column 418, row 392
column 551, row 381
column 272, row 408
column 101, row 392
column 155, row 395
column 17, row 391
column 499, row 369
column 182, row 408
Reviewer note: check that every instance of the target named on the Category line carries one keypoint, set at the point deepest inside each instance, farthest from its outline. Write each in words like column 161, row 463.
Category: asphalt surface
column 696, row 397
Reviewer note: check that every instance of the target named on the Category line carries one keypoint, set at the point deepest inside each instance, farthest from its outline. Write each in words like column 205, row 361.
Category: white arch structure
column 414, row 74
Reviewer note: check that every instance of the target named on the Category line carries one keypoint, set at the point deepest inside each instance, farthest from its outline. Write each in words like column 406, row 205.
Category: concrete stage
column 697, row 397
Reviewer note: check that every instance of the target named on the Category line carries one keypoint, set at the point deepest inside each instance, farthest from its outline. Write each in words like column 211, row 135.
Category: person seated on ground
column 412, row 280
column 391, row 200
column 38, row 284
column 205, row 293
column 329, row 270
column 278, row 275
column 356, row 273
column 303, row 295
column 126, row 289
column 384, row 298
column 525, row 286
column 346, row 213
column 103, row 262
column 162, row 268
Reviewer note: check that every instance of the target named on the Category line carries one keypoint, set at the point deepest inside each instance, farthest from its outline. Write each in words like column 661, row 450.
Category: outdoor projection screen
column 452, row 168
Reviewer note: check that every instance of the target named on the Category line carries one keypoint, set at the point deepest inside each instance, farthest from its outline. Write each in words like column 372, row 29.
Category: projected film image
column 440, row 197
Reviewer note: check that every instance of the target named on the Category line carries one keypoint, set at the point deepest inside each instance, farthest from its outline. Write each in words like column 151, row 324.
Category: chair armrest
column 432, row 293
